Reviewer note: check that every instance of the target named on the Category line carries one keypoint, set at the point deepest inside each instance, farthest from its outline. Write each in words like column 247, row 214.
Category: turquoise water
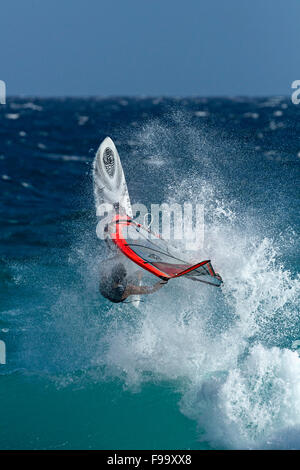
column 93, row 417
column 195, row 367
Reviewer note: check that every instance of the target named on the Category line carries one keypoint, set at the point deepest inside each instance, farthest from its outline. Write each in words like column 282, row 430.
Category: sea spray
column 226, row 351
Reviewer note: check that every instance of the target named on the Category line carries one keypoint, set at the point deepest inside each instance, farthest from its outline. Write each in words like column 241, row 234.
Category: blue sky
column 149, row 47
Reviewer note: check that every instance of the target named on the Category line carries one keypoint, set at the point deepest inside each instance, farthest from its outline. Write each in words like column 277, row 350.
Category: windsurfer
column 116, row 287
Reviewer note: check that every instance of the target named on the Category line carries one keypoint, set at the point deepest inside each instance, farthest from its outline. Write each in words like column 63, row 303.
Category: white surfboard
column 108, row 176
column 110, row 185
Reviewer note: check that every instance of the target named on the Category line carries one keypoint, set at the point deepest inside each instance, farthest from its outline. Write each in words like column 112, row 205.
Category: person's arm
column 137, row 290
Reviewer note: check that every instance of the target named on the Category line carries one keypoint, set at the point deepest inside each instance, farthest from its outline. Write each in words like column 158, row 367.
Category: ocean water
column 196, row 367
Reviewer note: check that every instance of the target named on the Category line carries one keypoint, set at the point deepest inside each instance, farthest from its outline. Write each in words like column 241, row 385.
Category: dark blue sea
column 196, row 367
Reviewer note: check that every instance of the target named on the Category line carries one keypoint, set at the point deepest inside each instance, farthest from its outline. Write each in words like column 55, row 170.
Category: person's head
column 118, row 273
column 109, row 282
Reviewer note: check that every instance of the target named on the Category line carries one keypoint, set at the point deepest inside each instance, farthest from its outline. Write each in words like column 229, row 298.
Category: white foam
column 82, row 120
column 67, row 158
column 28, row 105
column 155, row 161
column 26, row 185
column 12, row 116
column 257, row 399
column 223, row 349
column 240, row 394
column 251, row 115
column 201, row 113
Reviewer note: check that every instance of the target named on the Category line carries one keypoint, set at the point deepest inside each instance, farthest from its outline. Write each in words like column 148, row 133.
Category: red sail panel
column 152, row 253
column 124, row 247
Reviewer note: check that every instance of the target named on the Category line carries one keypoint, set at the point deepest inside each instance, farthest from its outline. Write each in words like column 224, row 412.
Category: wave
column 228, row 352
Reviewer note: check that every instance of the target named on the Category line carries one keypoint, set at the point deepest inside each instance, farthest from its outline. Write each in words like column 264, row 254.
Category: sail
column 152, row 253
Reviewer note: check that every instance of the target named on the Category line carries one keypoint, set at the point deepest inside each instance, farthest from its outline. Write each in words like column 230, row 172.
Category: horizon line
column 145, row 96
